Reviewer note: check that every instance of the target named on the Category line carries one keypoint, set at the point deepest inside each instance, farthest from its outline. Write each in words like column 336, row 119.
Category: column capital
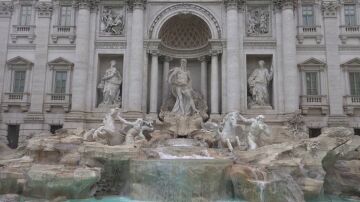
column 44, row 9
column 231, row 4
column 136, row 4
column 154, row 52
column 284, row 4
column 202, row 59
column 6, row 9
column 168, row 58
column 215, row 52
column 329, row 8
column 86, row 4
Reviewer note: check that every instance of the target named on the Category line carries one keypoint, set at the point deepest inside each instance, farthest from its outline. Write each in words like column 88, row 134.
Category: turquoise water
column 124, row 199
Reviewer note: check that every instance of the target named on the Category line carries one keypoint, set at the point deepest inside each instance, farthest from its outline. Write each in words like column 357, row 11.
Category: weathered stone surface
column 179, row 180
column 342, row 167
column 256, row 185
column 51, row 181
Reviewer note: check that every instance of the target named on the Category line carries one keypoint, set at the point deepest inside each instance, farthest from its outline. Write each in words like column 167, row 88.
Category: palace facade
column 56, row 55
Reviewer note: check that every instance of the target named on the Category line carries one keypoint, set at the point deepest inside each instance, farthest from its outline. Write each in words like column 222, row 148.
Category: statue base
column 264, row 107
column 182, row 125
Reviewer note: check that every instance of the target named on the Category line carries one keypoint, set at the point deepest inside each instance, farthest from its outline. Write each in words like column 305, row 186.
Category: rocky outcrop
column 342, row 166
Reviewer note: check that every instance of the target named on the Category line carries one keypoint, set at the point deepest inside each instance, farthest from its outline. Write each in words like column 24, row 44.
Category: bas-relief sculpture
column 258, row 83
column 110, row 86
column 112, row 21
column 258, row 21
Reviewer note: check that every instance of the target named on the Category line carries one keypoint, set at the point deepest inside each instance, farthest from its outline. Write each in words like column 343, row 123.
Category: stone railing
column 308, row 102
column 351, row 102
column 350, row 28
column 349, row 31
column 309, row 31
column 63, row 32
column 314, row 100
column 16, row 99
column 57, row 100
column 27, row 31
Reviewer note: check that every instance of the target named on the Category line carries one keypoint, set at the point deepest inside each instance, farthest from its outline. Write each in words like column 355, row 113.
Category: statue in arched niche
column 110, row 85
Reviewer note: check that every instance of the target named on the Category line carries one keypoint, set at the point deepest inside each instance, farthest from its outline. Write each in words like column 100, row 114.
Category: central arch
column 185, row 9
column 185, row 32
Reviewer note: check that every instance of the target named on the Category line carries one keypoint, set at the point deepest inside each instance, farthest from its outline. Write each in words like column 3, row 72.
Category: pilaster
column 335, row 83
column 42, row 31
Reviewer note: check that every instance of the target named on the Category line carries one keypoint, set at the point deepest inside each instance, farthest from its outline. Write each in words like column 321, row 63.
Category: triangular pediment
column 60, row 61
column 353, row 63
column 19, row 61
column 313, row 61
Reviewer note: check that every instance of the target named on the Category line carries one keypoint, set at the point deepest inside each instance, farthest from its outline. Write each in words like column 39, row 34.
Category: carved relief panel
column 112, row 20
column 258, row 20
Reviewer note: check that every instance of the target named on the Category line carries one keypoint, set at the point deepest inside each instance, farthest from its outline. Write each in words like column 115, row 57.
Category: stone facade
column 58, row 52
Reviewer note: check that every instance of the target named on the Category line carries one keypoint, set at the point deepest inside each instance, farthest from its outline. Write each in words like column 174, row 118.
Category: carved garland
column 44, row 9
column 187, row 7
column 6, row 9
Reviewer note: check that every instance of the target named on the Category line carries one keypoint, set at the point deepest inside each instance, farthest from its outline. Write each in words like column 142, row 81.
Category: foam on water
column 194, row 156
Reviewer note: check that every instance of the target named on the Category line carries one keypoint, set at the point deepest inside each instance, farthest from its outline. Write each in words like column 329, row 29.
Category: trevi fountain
column 183, row 155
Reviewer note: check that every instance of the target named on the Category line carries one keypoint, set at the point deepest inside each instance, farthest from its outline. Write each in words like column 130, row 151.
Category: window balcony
column 16, row 99
column 60, row 31
column 351, row 102
column 349, row 31
column 23, row 31
column 309, row 31
column 313, row 102
column 57, row 100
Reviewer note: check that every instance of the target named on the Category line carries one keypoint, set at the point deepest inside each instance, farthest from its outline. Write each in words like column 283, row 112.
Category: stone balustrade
column 308, row 102
column 63, row 32
column 349, row 31
column 351, row 102
column 16, row 99
column 24, row 31
column 57, row 100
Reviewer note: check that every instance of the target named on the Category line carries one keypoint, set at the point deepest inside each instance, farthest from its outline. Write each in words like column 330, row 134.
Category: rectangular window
column 308, row 15
column 65, row 15
column 13, row 136
column 19, row 81
column 350, row 15
column 60, row 82
column 312, row 83
column 354, row 83
column 54, row 128
column 25, row 15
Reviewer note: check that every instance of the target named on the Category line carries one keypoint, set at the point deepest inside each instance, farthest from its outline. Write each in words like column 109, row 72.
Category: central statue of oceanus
column 180, row 82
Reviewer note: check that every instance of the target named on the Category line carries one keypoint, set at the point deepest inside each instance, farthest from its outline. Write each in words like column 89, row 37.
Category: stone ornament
column 329, row 8
column 258, row 21
column 258, row 83
column 257, row 128
column 6, row 9
column 44, row 9
column 110, row 86
column 112, row 21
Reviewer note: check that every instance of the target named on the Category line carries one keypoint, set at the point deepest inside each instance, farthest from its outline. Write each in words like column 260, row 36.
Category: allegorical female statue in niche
column 259, row 85
column 180, row 82
column 110, row 85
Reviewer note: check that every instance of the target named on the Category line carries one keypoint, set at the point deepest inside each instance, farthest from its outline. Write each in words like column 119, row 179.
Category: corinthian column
column 214, row 83
column 165, row 83
column 203, row 77
column 136, row 57
column 232, row 56
column 291, row 75
column 154, row 81
column 82, row 56
column 5, row 15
